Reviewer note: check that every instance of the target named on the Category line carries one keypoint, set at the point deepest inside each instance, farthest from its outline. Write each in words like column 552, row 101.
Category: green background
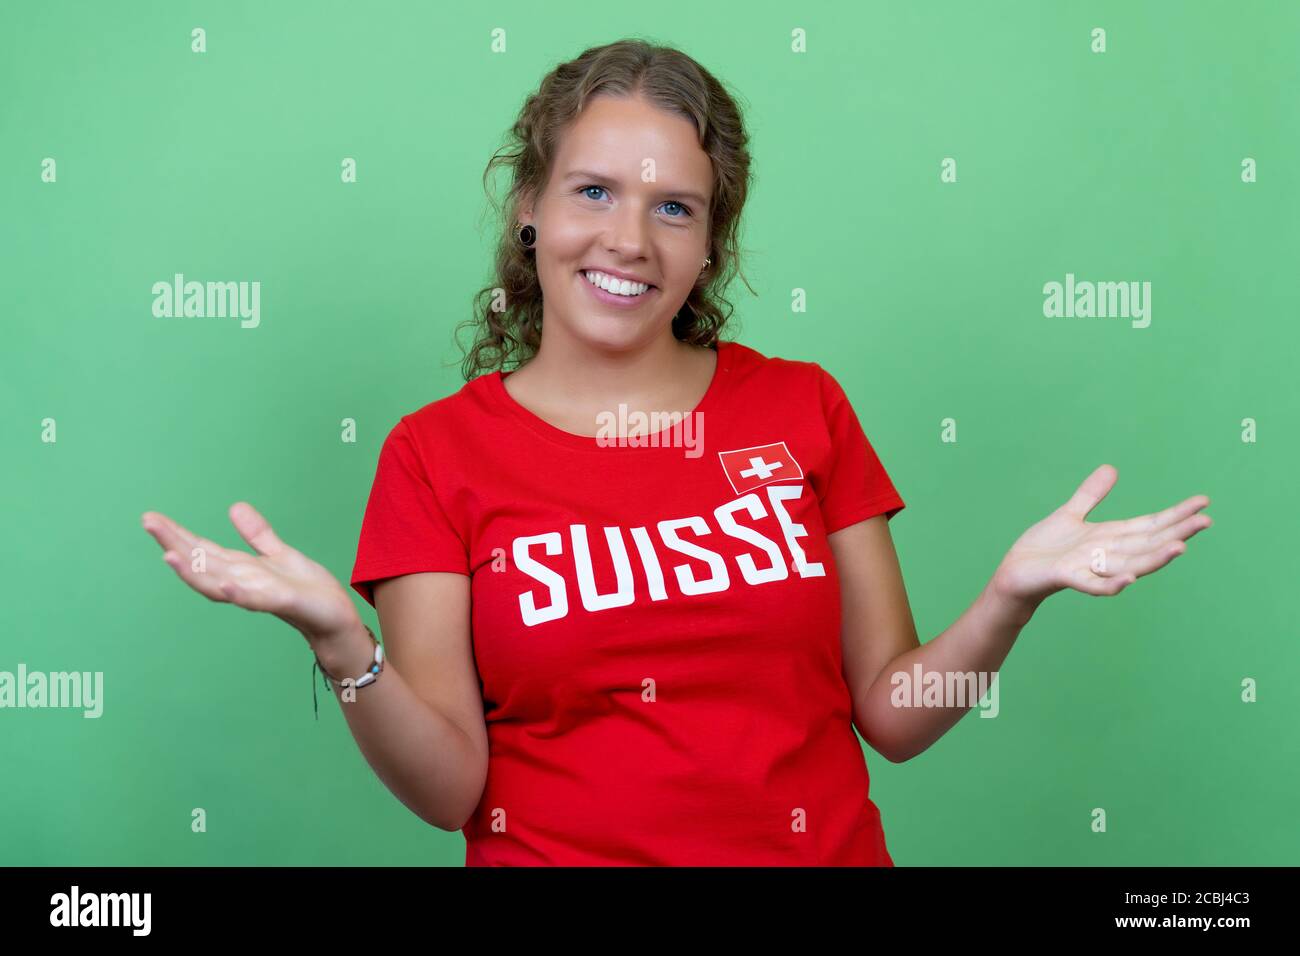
column 924, row 299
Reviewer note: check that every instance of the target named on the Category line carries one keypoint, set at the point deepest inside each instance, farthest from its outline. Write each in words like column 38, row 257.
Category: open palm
column 1101, row 558
column 277, row 579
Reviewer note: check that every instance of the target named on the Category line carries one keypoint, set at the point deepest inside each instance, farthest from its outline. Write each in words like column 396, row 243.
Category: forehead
column 617, row 135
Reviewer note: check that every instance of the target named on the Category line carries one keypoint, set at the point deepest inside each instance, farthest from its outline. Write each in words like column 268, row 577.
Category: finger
column 1139, row 565
column 1142, row 542
column 227, row 577
column 1163, row 519
column 1082, row 578
column 247, row 584
column 1182, row 530
column 167, row 532
column 1095, row 487
column 176, row 537
column 255, row 529
column 215, row 555
column 201, row 578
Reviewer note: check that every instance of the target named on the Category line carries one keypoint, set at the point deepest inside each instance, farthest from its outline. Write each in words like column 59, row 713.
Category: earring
column 706, row 264
column 527, row 236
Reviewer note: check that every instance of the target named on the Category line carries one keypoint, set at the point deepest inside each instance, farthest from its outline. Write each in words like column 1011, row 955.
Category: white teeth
column 616, row 286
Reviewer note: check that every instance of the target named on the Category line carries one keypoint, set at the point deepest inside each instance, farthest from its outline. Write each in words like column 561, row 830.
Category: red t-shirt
column 656, row 629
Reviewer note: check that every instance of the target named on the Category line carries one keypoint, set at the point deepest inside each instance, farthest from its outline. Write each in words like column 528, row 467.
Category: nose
column 627, row 231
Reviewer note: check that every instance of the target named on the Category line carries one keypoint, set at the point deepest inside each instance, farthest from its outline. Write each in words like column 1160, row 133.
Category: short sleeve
column 856, row 486
column 405, row 529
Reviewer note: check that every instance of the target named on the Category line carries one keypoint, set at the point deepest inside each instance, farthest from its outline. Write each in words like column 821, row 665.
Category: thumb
column 255, row 529
column 1095, row 487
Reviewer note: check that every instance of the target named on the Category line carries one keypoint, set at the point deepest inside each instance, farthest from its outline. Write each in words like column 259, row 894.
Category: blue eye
column 670, row 202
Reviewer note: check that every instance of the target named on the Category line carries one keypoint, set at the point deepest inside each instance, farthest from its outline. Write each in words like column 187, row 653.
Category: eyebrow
column 604, row 177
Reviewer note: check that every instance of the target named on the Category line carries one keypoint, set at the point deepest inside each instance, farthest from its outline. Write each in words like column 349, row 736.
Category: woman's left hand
column 1103, row 558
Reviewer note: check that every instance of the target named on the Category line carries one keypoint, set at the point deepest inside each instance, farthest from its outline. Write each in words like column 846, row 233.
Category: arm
column 420, row 726
column 879, row 639
column 1061, row 551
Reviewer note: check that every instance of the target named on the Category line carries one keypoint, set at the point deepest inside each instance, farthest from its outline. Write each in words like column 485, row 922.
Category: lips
column 620, row 302
column 614, row 273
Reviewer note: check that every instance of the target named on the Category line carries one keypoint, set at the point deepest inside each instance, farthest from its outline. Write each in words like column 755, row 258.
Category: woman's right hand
column 277, row 579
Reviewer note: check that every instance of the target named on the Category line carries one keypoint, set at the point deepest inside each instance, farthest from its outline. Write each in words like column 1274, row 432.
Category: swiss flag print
column 750, row 468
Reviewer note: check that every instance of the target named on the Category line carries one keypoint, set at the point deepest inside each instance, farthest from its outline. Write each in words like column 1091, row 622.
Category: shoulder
column 754, row 371
column 463, row 407
column 439, row 434
column 748, row 362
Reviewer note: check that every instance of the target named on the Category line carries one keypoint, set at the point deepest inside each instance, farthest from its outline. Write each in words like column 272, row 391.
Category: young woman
column 655, row 651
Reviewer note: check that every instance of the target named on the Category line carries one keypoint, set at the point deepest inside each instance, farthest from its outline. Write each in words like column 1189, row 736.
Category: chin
column 612, row 333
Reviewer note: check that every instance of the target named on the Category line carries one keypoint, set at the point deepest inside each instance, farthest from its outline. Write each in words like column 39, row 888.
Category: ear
column 525, row 208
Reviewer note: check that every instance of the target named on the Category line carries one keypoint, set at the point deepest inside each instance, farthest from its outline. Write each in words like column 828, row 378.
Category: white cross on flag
column 750, row 468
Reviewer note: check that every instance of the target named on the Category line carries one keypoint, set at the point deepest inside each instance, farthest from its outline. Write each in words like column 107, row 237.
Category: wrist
column 345, row 653
column 1014, row 608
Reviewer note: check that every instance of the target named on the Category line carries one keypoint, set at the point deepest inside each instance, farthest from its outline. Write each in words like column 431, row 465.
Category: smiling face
column 598, row 213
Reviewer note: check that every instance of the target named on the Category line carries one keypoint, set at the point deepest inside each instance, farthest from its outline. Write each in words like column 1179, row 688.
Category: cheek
column 569, row 238
column 683, row 275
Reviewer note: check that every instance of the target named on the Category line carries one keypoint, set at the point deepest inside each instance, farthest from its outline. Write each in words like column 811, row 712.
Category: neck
column 594, row 375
